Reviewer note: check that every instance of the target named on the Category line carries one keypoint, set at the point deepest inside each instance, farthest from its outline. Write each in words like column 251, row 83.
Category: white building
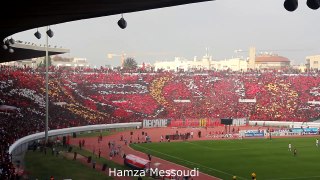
column 261, row 61
column 206, row 63
column 31, row 63
column 313, row 62
column 181, row 63
column 234, row 64
column 301, row 67
column 55, row 61
column 69, row 62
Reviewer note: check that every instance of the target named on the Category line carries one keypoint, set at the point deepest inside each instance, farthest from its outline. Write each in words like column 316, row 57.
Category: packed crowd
column 89, row 96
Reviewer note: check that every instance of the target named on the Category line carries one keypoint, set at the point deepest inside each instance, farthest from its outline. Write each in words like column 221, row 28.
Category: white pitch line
column 296, row 178
column 179, row 164
column 217, row 149
column 190, row 162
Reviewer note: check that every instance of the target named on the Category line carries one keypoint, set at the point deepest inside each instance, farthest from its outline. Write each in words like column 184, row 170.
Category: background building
column 313, row 62
column 300, row 68
column 206, row 63
column 57, row 61
column 234, row 64
column 271, row 61
column 252, row 58
column 69, row 62
column 181, row 63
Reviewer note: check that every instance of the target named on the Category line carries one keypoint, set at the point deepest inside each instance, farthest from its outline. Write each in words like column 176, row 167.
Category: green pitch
column 42, row 166
column 269, row 159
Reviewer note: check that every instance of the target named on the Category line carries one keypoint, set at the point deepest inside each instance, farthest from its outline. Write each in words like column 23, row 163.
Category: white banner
column 247, row 100
column 183, row 100
column 239, row 122
column 155, row 123
column 313, row 102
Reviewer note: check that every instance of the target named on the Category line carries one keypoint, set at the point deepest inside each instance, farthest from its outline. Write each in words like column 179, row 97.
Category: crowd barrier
column 285, row 123
column 195, row 123
column 22, row 144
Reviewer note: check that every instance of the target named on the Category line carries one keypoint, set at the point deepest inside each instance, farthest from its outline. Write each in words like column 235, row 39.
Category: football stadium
column 208, row 120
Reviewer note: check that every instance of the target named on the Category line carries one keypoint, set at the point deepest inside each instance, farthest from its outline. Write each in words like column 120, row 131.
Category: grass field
column 103, row 133
column 102, row 160
column 94, row 134
column 42, row 166
column 269, row 159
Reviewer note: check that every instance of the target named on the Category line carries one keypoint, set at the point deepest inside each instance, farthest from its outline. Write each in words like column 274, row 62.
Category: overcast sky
column 162, row 34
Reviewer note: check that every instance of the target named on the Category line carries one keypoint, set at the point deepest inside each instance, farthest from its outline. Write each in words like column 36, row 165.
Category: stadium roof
column 17, row 16
column 22, row 51
column 23, row 15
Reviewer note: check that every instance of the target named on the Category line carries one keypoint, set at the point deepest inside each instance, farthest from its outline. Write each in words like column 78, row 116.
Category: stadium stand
column 94, row 96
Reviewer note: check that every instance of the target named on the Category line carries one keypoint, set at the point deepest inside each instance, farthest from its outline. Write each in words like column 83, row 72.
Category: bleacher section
column 80, row 97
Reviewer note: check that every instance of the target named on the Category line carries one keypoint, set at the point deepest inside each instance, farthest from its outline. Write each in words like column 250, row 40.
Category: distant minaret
column 207, row 59
column 207, row 52
column 252, row 58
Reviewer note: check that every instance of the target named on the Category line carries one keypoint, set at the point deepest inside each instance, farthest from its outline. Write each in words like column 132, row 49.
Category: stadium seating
column 93, row 96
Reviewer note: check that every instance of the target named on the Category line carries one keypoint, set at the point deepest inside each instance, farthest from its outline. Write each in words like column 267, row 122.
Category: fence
column 21, row 145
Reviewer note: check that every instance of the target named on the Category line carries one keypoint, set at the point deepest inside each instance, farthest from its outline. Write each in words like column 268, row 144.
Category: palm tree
column 130, row 63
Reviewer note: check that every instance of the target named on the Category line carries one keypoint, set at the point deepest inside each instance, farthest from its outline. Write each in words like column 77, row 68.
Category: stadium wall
column 22, row 144
column 284, row 123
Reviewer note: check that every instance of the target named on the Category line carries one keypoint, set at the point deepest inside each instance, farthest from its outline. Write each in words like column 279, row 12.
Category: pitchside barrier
column 281, row 132
column 152, row 123
column 21, row 145
column 285, row 124
column 195, row 123
column 205, row 122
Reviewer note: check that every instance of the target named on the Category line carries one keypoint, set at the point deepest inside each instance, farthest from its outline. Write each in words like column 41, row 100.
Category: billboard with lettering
column 155, row 123
column 254, row 133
